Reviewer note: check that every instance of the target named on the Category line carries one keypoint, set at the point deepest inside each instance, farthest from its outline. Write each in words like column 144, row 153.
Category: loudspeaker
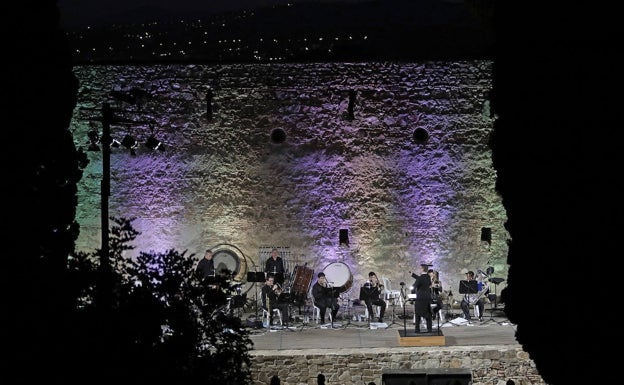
column 343, row 237
column 486, row 234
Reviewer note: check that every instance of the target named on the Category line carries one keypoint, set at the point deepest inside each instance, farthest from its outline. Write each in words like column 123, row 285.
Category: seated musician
column 270, row 299
column 436, row 291
column 470, row 299
column 325, row 296
column 374, row 296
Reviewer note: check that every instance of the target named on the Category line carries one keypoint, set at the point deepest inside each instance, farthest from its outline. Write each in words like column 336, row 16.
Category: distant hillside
column 381, row 30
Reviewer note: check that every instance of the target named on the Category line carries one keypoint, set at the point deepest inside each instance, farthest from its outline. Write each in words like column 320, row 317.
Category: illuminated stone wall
column 408, row 176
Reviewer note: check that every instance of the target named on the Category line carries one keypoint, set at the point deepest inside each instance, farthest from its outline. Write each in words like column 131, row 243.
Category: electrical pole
column 105, row 286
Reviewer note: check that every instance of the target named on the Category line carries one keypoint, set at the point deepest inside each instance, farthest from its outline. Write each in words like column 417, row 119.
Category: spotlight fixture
column 153, row 143
column 130, row 143
column 113, row 143
column 94, row 140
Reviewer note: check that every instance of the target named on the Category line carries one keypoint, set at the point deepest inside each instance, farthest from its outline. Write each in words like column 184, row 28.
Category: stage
column 354, row 334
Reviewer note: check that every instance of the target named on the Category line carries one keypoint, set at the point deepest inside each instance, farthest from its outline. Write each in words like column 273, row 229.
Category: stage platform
column 353, row 334
column 409, row 337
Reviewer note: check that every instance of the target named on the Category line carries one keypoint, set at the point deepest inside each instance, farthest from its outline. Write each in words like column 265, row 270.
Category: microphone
column 482, row 273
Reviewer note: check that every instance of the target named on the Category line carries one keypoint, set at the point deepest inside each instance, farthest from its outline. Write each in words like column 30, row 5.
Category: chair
column 276, row 312
column 316, row 312
column 476, row 312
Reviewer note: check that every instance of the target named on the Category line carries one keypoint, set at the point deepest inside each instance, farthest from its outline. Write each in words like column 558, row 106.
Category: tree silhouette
column 164, row 324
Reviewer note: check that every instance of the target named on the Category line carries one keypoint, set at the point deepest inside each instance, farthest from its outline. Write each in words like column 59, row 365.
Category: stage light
column 153, row 143
column 129, row 142
column 94, row 140
column 113, row 142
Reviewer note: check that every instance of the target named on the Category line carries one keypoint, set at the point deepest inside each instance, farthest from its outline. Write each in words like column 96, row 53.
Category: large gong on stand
column 231, row 260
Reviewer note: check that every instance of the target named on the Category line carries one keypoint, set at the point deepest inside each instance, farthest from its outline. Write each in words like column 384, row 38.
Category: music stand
column 255, row 276
column 493, row 299
column 468, row 287
column 393, row 316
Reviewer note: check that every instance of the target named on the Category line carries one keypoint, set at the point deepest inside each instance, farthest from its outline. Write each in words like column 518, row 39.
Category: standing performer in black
column 275, row 265
column 324, row 297
column 422, row 304
column 206, row 268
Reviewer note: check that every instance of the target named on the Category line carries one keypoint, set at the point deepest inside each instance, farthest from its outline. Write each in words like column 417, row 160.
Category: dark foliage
column 164, row 324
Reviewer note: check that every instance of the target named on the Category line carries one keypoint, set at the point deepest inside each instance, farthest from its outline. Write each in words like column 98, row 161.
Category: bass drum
column 339, row 276
column 228, row 259
column 301, row 284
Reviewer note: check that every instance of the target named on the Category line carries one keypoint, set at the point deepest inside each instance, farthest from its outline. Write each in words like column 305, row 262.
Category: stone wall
column 489, row 364
column 282, row 155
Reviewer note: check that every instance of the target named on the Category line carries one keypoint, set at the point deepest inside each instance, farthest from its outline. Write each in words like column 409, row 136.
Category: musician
column 436, row 290
column 325, row 296
column 275, row 265
column 374, row 296
column 205, row 269
column 270, row 299
column 473, row 298
column 422, row 303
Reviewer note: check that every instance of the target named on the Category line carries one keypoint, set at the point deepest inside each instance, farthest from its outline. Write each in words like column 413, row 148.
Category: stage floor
column 494, row 330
